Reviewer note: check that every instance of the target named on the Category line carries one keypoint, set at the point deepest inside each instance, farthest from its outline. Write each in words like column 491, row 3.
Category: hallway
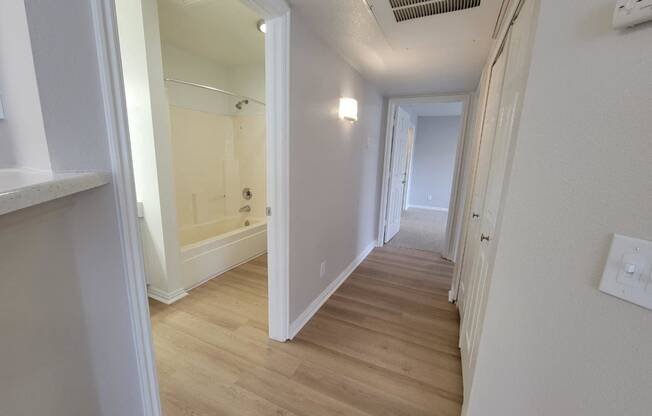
column 384, row 344
column 422, row 229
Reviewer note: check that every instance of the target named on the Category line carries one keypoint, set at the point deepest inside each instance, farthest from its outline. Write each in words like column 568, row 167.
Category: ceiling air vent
column 414, row 9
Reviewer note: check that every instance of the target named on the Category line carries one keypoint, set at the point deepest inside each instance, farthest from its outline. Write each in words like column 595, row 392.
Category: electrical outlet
column 322, row 269
column 429, row 197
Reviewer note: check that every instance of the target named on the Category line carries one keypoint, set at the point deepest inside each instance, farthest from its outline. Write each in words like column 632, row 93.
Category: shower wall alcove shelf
column 23, row 188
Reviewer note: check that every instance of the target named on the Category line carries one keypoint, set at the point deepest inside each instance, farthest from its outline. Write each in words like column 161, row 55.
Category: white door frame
column 277, row 43
column 456, row 196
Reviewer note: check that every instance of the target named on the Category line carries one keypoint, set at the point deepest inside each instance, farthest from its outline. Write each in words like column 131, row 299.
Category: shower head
column 240, row 103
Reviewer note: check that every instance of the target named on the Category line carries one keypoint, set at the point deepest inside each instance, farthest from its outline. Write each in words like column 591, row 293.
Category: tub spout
column 246, row 208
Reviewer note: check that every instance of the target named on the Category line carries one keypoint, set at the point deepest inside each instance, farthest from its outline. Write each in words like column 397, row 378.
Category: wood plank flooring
column 384, row 344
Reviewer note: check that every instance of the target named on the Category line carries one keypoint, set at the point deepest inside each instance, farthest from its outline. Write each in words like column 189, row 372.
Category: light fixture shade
column 348, row 109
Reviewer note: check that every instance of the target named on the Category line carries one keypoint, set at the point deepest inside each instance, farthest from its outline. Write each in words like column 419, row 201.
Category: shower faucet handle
column 247, row 194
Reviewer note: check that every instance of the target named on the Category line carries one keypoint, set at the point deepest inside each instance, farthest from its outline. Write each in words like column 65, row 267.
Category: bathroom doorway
column 209, row 165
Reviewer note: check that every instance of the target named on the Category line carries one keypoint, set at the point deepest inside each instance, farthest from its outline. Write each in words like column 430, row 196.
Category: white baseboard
column 312, row 309
column 440, row 209
column 165, row 297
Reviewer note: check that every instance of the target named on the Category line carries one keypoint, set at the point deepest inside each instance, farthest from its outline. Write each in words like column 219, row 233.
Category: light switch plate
column 630, row 13
column 628, row 272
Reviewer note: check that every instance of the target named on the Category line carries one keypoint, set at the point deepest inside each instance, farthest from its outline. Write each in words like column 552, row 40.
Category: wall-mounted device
column 628, row 271
column 630, row 13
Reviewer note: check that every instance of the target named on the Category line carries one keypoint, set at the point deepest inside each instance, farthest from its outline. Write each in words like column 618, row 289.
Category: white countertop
column 22, row 188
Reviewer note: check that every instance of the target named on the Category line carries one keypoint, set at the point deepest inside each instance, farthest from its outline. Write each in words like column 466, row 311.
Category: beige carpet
column 422, row 229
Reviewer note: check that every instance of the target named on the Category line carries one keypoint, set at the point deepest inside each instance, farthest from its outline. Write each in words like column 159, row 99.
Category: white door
column 397, row 178
column 477, row 200
column 518, row 46
column 408, row 166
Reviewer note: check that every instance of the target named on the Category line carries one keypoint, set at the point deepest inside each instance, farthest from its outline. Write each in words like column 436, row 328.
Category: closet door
column 482, row 171
column 517, row 57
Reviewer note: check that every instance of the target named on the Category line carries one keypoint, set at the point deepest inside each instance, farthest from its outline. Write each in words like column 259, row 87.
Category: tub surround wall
column 218, row 149
column 250, row 151
column 203, row 159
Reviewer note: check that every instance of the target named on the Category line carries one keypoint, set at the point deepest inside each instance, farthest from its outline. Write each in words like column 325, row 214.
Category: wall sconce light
column 348, row 109
column 262, row 26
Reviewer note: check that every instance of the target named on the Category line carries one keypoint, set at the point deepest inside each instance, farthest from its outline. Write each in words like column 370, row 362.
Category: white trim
column 165, row 297
column 111, row 83
column 440, row 209
column 268, row 9
column 277, row 68
column 313, row 308
column 457, row 198
column 393, row 104
column 410, row 165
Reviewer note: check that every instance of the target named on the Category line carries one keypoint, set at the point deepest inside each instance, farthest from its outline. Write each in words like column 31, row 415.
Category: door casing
column 277, row 15
column 457, row 198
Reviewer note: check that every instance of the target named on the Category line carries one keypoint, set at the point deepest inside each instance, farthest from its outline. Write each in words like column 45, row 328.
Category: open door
column 398, row 173
column 408, row 166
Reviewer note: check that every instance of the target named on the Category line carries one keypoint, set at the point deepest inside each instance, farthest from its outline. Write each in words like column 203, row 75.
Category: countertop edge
column 66, row 184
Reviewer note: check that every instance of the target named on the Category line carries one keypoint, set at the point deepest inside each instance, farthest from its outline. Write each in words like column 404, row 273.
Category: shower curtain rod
column 207, row 87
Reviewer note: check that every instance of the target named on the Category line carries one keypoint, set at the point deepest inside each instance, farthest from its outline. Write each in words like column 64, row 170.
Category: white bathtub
column 210, row 249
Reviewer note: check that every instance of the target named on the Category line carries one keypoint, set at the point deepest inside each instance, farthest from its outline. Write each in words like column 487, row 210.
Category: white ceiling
column 222, row 30
column 434, row 109
column 435, row 54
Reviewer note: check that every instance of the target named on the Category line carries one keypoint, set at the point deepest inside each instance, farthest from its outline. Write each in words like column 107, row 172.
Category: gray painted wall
column 334, row 175
column 433, row 164
column 552, row 343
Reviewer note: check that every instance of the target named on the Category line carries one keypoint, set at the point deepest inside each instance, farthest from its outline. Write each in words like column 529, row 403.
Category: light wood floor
column 384, row 344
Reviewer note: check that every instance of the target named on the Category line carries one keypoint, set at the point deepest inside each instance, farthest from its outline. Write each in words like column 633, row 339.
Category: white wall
column 184, row 65
column 150, row 141
column 22, row 135
column 247, row 79
column 433, row 162
column 334, row 177
column 67, row 346
column 552, row 344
